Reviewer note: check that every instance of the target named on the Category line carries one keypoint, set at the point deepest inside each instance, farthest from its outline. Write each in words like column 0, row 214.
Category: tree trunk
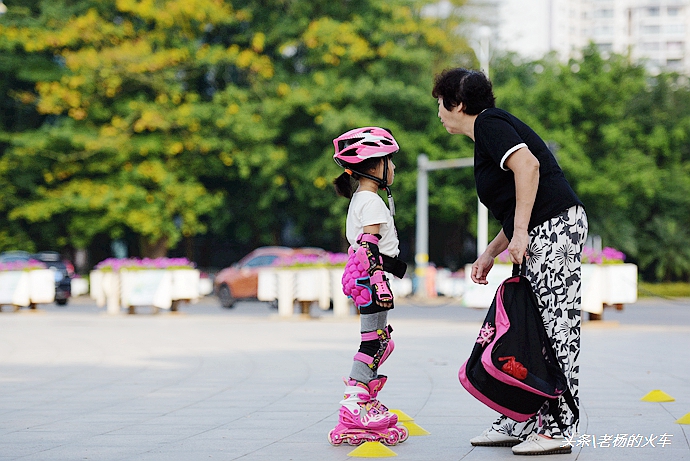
column 156, row 249
column 189, row 248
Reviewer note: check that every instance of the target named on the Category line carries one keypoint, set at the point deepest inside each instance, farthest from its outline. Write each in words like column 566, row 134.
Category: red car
column 241, row 280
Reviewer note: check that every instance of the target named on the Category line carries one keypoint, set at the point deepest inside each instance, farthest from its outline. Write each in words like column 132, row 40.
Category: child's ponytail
column 343, row 185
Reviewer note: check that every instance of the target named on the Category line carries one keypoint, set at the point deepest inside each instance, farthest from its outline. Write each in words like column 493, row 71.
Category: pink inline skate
column 375, row 386
column 359, row 420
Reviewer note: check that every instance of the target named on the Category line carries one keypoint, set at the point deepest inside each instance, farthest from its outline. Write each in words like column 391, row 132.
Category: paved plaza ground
column 244, row 384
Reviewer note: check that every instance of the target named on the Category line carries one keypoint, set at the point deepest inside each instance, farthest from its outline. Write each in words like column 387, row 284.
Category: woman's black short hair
column 470, row 87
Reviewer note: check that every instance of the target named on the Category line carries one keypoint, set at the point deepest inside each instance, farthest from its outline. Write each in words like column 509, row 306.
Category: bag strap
column 520, row 269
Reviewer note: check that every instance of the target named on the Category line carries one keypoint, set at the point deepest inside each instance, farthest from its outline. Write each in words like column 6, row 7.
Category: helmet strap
column 391, row 203
column 383, row 184
column 378, row 181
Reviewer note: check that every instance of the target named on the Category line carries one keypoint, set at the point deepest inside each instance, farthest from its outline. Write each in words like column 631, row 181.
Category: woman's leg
column 553, row 268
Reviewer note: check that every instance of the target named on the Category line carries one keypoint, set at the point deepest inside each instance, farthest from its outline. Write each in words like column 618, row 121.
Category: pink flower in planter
column 591, row 256
column 115, row 264
column 337, row 259
column 611, row 255
column 311, row 260
column 31, row 264
column 606, row 256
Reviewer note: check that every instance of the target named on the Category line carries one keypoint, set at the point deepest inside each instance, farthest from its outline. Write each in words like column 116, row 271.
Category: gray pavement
column 243, row 384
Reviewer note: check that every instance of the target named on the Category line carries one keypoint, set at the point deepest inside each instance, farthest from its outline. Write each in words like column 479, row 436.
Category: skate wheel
column 404, row 433
column 334, row 439
column 392, row 439
column 355, row 441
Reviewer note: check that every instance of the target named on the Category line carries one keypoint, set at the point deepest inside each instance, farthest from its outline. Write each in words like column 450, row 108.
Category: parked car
column 12, row 256
column 63, row 275
column 241, row 280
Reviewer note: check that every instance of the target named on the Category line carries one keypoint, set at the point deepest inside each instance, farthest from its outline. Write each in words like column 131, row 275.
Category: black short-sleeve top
column 497, row 134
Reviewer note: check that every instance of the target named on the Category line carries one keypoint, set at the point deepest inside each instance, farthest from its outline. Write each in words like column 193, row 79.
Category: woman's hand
column 517, row 248
column 481, row 268
column 484, row 263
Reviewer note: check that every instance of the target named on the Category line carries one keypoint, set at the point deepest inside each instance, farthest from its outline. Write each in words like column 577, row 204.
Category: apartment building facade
column 655, row 32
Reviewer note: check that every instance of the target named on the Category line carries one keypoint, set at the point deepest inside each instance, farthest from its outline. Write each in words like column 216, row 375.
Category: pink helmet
column 360, row 144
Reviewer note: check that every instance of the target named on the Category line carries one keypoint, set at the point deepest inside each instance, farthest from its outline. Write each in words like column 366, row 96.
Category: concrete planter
column 313, row 285
column 104, row 288
column 308, row 285
column 620, row 284
column 305, row 285
column 185, row 284
column 146, row 288
column 158, row 288
column 592, row 290
column 267, row 285
column 286, row 292
column 79, row 287
column 601, row 284
column 96, row 291
column 342, row 305
column 27, row 288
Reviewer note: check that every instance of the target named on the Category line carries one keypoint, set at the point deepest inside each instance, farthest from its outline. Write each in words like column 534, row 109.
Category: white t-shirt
column 367, row 209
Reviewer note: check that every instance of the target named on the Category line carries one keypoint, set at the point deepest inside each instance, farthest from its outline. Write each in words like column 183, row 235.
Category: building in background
column 656, row 32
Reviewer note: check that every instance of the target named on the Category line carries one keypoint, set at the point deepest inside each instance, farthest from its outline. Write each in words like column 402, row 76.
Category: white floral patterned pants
column 553, row 268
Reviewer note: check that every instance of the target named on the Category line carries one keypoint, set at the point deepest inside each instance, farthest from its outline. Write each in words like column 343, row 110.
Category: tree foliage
column 622, row 139
column 166, row 117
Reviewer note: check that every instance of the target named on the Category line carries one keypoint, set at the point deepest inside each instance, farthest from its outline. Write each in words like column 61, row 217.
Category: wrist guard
column 381, row 287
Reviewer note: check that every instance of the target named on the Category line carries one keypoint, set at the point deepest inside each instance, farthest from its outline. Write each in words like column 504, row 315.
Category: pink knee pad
column 387, row 346
column 356, row 268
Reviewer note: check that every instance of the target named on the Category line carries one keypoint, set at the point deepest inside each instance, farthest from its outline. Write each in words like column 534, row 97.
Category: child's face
column 391, row 170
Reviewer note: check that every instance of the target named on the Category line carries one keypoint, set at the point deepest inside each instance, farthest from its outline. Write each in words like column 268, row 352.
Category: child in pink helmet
column 366, row 155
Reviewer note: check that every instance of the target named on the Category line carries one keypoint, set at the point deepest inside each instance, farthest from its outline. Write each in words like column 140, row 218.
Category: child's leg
column 375, row 347
column 360, row 410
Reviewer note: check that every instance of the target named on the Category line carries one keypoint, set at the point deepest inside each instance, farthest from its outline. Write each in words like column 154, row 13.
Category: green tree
column 131, row 127
column 340, row 65
column 168, row 117
column 20, row 71
column 621, row 137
